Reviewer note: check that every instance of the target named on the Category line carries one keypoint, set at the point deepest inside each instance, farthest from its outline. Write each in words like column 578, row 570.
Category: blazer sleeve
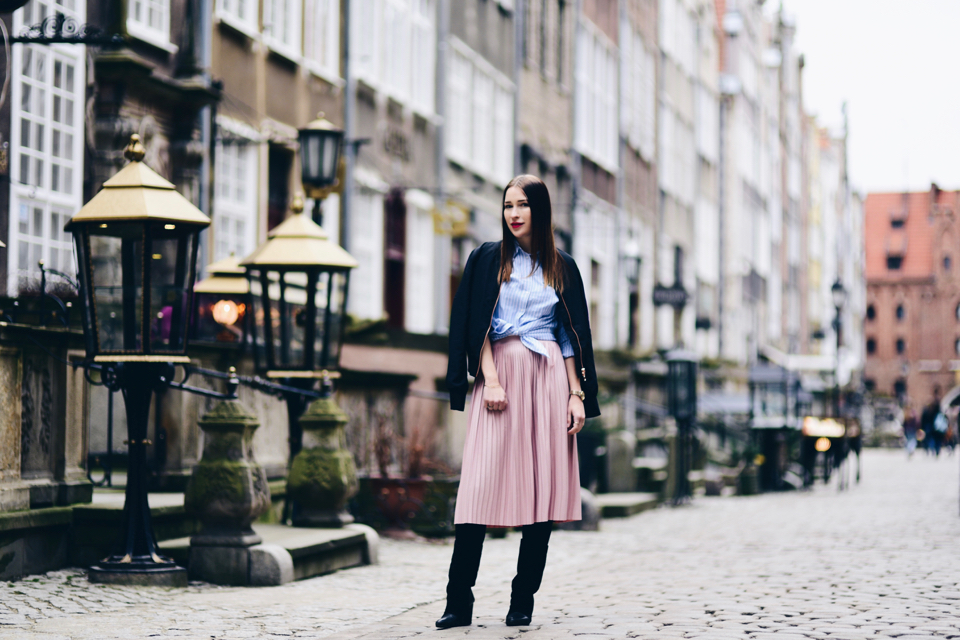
column 591, row 386
column 457, row 384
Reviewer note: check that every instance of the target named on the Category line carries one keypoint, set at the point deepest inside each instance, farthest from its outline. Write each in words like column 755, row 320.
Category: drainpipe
column 621, row 156
column 350, row 148
column 442, row 244
column 575, row 160
column 207, row 120
column 518, row 26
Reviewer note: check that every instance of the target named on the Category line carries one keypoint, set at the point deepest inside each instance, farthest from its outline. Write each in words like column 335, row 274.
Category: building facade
column 912, row 328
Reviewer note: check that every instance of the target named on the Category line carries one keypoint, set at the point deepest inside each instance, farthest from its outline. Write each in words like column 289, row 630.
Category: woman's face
column 517, row 214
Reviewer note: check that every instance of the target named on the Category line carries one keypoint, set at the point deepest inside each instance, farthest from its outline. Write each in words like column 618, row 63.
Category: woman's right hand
column 494, row 397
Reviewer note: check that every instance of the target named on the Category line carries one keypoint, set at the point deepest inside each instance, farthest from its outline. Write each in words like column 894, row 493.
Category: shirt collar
column 518, row 250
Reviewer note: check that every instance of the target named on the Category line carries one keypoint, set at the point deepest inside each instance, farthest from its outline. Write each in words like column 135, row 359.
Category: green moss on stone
column 322, row 478
column 223, row 480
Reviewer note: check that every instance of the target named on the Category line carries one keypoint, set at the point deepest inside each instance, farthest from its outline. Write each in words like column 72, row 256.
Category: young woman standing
column 519, row 322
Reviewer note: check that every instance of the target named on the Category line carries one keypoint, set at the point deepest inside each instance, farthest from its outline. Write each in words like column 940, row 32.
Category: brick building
column 912, row 323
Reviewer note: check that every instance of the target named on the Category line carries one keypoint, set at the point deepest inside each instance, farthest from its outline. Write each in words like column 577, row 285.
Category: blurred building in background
column 913, row 299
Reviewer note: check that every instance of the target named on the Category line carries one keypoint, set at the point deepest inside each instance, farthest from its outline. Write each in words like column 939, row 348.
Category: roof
column 914, row 240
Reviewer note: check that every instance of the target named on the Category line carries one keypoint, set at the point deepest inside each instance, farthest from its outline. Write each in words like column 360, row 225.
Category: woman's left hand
column 576, row 416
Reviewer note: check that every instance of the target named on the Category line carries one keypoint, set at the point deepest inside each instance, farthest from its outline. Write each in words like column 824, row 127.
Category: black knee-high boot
column 530, row 564
column 464, row 564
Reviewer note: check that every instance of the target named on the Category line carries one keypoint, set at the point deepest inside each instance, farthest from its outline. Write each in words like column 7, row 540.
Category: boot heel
column 448, row 620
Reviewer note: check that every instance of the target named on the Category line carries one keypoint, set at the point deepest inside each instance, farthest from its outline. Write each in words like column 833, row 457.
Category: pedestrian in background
column 910, row 426
column 934, row 424
column 520, row 322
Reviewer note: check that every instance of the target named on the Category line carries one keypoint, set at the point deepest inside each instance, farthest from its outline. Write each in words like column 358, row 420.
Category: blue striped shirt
column 527, row 308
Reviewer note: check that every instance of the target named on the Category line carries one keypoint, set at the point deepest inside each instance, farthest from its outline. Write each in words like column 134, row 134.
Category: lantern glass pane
column 312, row 152
column 295, row 295
column 167, row 293
column 117, row 277
column 329, row 166
column 331, row 289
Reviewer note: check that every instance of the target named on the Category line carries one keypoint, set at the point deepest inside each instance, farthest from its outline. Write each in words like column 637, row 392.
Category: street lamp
column 320, row 143
column 136, row 243
column 682, row 405
column 301, row 279
column 223, row 304
column 839, row 295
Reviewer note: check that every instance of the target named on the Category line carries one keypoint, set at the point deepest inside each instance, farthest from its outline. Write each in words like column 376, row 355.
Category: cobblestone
column 876, row 561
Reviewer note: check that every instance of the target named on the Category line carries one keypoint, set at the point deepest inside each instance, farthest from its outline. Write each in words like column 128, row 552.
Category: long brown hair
column 543, row 250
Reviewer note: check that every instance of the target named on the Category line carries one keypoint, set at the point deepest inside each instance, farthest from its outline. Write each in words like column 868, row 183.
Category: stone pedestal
column 227, row 492
column 323, row 475
column 14, row 493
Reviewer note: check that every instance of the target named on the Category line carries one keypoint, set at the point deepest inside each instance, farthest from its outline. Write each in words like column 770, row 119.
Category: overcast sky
column 895, row 63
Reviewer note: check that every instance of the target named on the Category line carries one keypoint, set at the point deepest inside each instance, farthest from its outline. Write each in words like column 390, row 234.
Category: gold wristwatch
column 579, row 393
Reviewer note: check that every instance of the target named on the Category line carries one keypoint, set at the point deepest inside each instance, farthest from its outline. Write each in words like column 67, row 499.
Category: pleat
column 520, row 465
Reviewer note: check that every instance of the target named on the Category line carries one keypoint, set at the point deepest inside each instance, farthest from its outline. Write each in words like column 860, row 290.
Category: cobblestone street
column 877, row 561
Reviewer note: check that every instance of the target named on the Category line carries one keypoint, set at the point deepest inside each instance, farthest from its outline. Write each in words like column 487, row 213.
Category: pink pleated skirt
column 520, row 465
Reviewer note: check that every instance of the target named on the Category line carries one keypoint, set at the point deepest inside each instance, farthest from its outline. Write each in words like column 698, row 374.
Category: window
column 900, row 313
column 956, row 346
column 323, row 46
column 149, row 20
column 872, row 313
column 894, row 262
column 638, row 88
column 957, row 311
column 901, row 346
column 871, row 345
column 395, row 48
column 235, row 204
column 594, row 292
column 597, row 134
column 46, row 167
column 896, row 223
column 242, row 14
column 281, row 26
column 946, row 263
column 678, row 265
column 480, row 117
column 900, row 388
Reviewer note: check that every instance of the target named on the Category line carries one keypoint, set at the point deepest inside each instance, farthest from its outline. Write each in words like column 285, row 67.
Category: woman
column 519, row 322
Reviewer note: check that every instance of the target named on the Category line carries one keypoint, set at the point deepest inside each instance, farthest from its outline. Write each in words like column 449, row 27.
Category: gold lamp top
column 138, row 194
column 226, row 277
column 299, row 243
column 322, row 123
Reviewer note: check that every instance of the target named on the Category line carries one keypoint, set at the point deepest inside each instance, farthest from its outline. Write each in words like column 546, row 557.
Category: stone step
column 314, row 551
column 624, row 505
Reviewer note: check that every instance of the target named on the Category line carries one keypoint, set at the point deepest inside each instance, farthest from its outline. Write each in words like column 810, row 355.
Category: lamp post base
column 138, row 573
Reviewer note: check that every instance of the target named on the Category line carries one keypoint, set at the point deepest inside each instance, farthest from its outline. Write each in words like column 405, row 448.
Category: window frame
column 370, row 31
column 249, row 25
column 463, row 126
column 141, row 30
column 290, row 50
column 62, row 203
column 329, row 70
column 226, row 208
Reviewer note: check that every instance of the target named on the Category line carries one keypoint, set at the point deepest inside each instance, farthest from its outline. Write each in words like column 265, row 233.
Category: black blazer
column 473, row 307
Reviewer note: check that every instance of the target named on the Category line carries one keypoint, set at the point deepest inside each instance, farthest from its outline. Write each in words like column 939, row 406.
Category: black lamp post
column 300, row 279
column 682, row 405
column 320, row 144
column 839, row 295
column 136, row 244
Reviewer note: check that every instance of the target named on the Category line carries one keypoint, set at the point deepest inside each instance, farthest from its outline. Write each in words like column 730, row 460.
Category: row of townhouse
column 700, row 201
